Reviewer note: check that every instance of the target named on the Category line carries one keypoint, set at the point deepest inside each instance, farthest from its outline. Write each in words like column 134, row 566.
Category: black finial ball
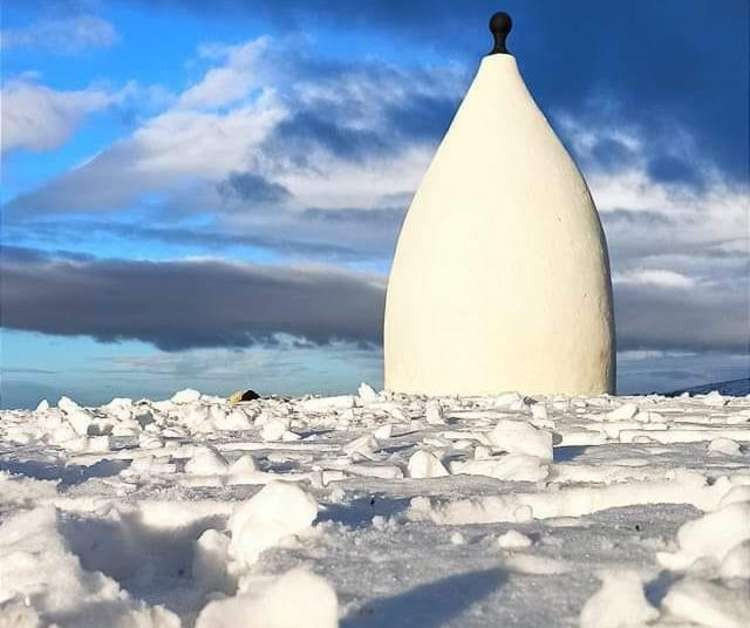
column 500, row 25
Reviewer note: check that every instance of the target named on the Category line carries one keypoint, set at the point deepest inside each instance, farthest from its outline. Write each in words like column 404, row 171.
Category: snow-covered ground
column 377, row 510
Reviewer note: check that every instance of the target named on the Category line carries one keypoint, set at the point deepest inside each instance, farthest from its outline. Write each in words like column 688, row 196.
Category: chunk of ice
column 278, row 510
column 708, row 604
column 206, row 460
column 298, row 598
column 425, row 464
column 518, row 437
column 513, row 539
column 619, row 603
column 188, row 395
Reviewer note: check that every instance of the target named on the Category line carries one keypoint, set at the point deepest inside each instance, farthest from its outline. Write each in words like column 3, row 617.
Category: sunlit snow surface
column 377, row 510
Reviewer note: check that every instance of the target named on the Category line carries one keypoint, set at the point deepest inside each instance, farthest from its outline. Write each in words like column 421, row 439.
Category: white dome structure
column 500, row 279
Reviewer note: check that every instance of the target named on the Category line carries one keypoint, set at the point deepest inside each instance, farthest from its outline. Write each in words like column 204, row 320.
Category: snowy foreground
column 377, row 510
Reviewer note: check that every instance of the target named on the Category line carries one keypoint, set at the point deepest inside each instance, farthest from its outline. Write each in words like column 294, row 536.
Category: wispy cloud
column 341, row 235
column 39, row 118
column 328, row 132
column 655, row 277
column 62, row 35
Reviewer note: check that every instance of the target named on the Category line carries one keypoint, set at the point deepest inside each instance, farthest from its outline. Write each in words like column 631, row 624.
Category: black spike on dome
column 500, row 25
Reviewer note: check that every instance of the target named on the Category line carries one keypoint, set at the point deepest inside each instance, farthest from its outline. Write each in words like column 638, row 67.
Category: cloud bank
column 187, row 304
column 177, row 305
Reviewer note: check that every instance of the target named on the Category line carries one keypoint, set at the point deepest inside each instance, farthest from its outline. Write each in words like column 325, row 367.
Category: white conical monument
column 501, row 278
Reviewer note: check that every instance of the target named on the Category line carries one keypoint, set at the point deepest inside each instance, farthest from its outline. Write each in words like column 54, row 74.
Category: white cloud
column 655, row 276
column 676, row 234
column 229, row 83
column 679, row 245
column 67, row 35
column 207, row 145
column 635, row 355
column 228, row 121
column 39, row 118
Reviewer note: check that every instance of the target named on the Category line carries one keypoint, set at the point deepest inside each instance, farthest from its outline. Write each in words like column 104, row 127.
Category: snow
column 724, row 446
column 520, row 437
column 274, row 429
column 708, row 604
column 619, row 603
column 736, row 562
column 377, row 509
column 297, row 598
column 40, row 568
column 623, row 413
column 277, row 511
column 425, row 464
column 186, row 396
column 513, row 539
column 367, row 394
column 433, row 413
column 206, row 461
column 323, row 404
column 517, row 467
column 697, row 538
column 210, row 559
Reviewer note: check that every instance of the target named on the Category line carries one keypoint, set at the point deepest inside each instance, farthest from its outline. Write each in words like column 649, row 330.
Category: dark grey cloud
column 358, row 124
column 418, row 118
column 709, row 318
column 24, row 255
column 306, row 130
column 179, row 305
column 252, row 188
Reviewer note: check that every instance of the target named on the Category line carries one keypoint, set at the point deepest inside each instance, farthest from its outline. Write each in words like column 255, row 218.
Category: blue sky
column 208, row 194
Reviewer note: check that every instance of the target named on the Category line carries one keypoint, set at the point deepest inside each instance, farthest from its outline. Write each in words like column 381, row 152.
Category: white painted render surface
column 501, row 278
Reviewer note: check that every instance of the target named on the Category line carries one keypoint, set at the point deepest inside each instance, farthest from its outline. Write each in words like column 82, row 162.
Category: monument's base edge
column 500, row 390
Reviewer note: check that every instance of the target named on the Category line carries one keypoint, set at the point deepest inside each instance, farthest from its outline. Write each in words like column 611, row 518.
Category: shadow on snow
column 68, row 475
column 428, row 605
column 568, row 452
